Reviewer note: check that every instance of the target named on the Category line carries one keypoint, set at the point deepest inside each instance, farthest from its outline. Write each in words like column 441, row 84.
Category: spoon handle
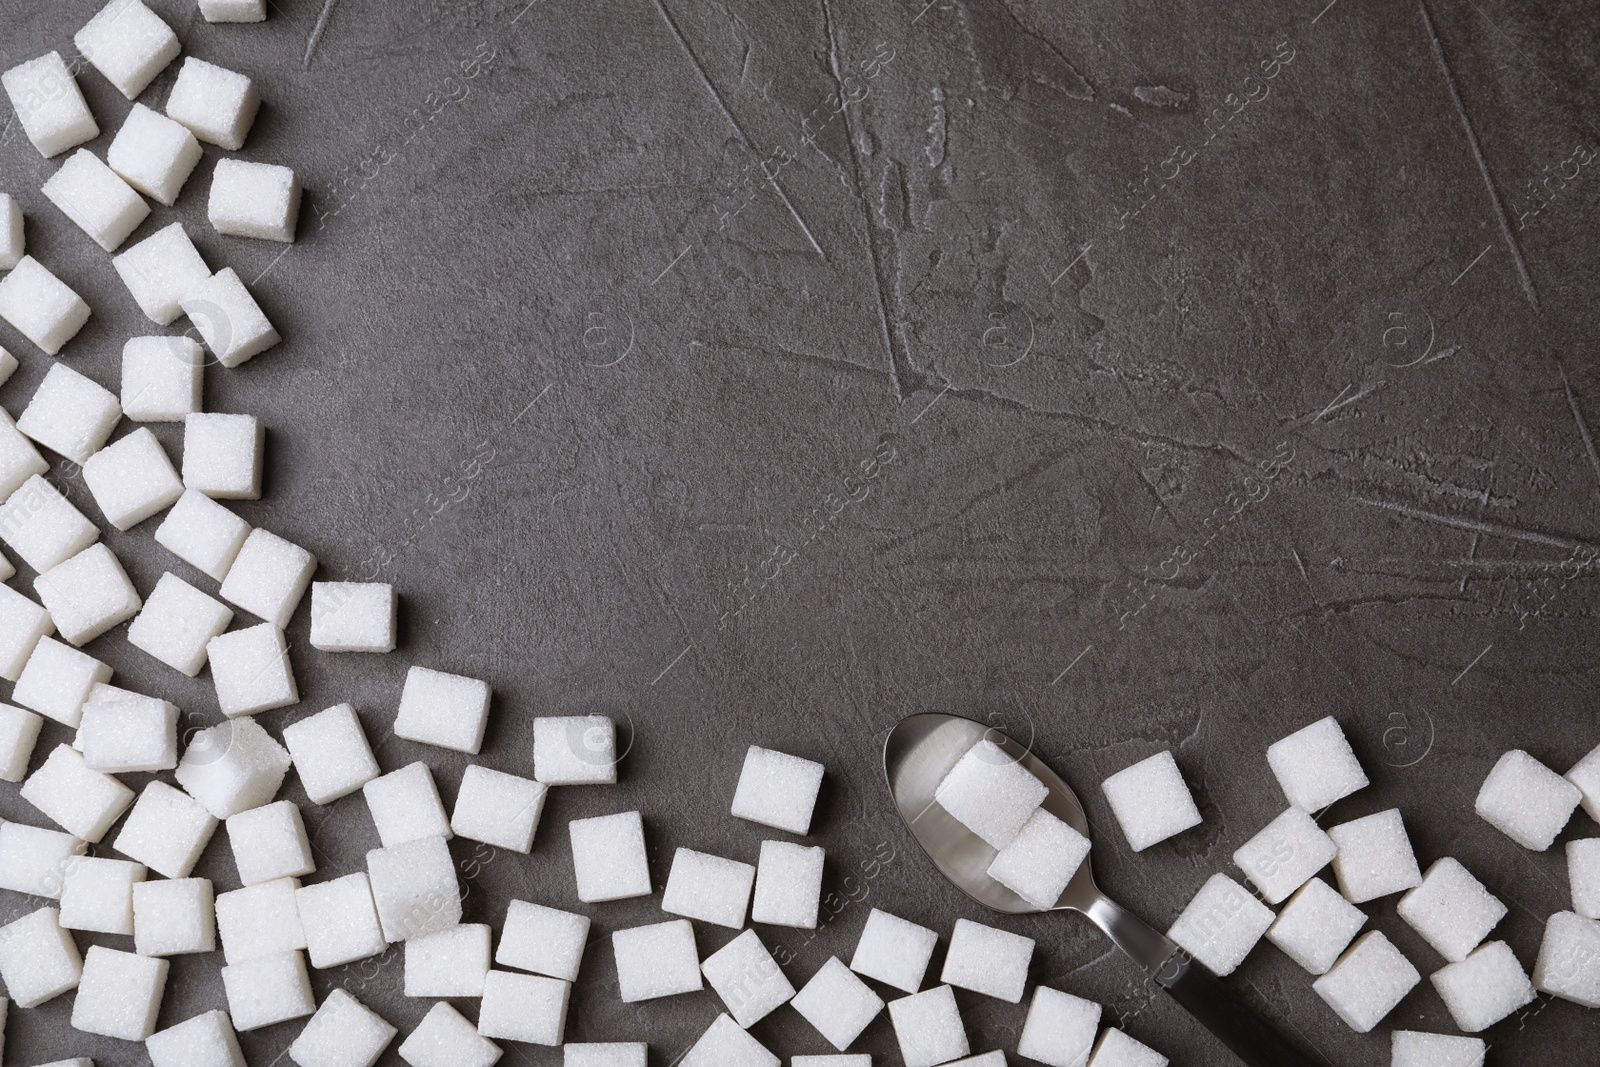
column 1220, row 1010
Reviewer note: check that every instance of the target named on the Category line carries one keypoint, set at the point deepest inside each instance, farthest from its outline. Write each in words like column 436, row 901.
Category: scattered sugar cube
column 983, row 1059
column 1040, row 860
column 87, row 594
column 129, row 734
column 343, row 1033
column 206, row 1040
column 837, row 1003
column 261, row 920
column 1367, row 982
column 894, row 951
column 254, row 200
column 161, row 381
column 788, row 885
column 574, row 750
column 447, row 710
column 49, row 105
column 1060, row 1028
column 222, row 456
column 1375, row 857
column 166, row 830
column 1451, row 910
column 1117, row 1049
column 656, row 961
column 604, row 1054
column 176, row 624
column 36, row 861
column 232, row 767
column 725, row 1044
column 22, row 624
column 331, row 754
column 542, row 940
column 1316, row 766
column 97, row 894
column 82, row 802
column 448, row 963
column 1221, row 924
column 173, row 916
column 42, row 526
column 990, row 794
column 230, row 321
column 97, row 201
column 445, row 1039
column 747, row 978
column 414, row 888
column 269, row 842
column 160, row 271
column 1484, row 988
column 989, row 961
column 1583, row 873
column 1526, row 801
column 19, row 460
column 70, row 414
column 56, row 681
column 129, row 44
column 1284, row 855
column 267, row 990
column 1316, row 926
column 42, row 307
column 153, row 154
column 340, row 921
column 203, row 534
column 217, row 105
column 233, row 10
column 38, row 959
column 132, row 479
column 119, row 994
column 18, row 731
column 777, row 790
column 524, row 1007
column 12, row 246
column 608, row 857
column 251, row 671
column 1411, row 1048
column 1585, row 774
column 1151, row 801
column 405, row 805
column 357, row 617
column 928, row 1027
column 1569, row 959
column 498, row 809
column 708, row 888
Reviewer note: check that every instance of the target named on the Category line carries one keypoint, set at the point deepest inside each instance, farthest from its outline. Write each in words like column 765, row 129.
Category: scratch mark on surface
column 1577, row 416
column 1324, row 11
column 932, row 402
column 1471, row 665
column 1071, row 665
column 673, row 664
column 317, row 32
column 1492, row 529
column 1298, row 562
column 1339, row 404
column 669, row 266
column 998, row 489
column 1474, row 263
column 274, row 263
column 532, row 402
column 1076, row 260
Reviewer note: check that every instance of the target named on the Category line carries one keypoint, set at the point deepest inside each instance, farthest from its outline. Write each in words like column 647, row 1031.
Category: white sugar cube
column 269, row 842
column 233, row 10
column 1583, row 873
column 70, row 414
column 656, row 961
column 22, row 624
column 18, row 731
column 1221, row 924
column 232, row 767
column 166, row 830
column 251, row 671
column 1039, row 862
column 498, row 809
column 97, row 201
column 176, row 624
column 340, row 921
column 604, row 1054
column 1367, row 982
column 1284, row 855
column 129, row 734
column 222, row 459
column 524, row 1007
column 161, row 380
column 38, row 959
column 355, row 617
column 1451, row 910
column 203, row 533
column 267, row 990
column 1585, row 774
column 254, row 200
column 56, row 681
column 1151, row 801
column 777, row 789
column 129, row 44
column 989, row 961
column 1375, row 857
column 405, row 805
column 12, row 246
column 1316, row 766
column 160, row 271
column 36, row 861
column 414, row 888
column 747, row 978
column 82, row 802
column 132, row 479
column 49, row 104
column 119, row 994
column 230, row 321
column 1569, row 959
column 216, row 104
column 19, row 459
column 1484, row 988
column 331, row 754
column 1316, row 926
column 447, row 710
column 1117, row 1049
column 153, row 154
column 894, row 951
column 928, row 1027
column 788, row 885
column 983, row 1059
column 725, row 1044
column 608, row 857
column 1411, row 1048
column 445, row 1039
column 1526, row 801
column 206, row 1040
column 42, row 307
column 708, row 888
column 97, row 894
column 173, row 916
column 990, row 793
column 260, row 920
column 343, row 1033
column 8, row 362
column 448, row 963
column 837, row 1003
column 574, row 750
column 542, row 940
column 87, row 594
column 1060, row 1028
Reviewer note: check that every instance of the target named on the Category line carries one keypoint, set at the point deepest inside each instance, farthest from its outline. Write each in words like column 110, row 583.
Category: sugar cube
column 269, row 842
column 447, row 710
column 604, row 1054
column 129, row 734
column 331, row 754
column 747, row 978
column 414, row 888
column 1060, row 1028
column 70, row 414
column 254, row 200
column 928, row 1027
column 82, row 802
column 42, row 526
column 343, row 1033
column 129, row 44
column 216, row 104
column 1451, row 910
column 22, row 624
column 36, row 861
column 1585, row 774
column 233, row 10
column 1285, row 854
column 232, row 767
column 132, row 479
column 251, row 671
column 1526, row 801
column 448, row 963
column 267, row 990
column 542, row 940
column 574, row 750
column 708, row 888
column 1316, row 766
column 95, row 199
column 166, row 830
column 498, row 809
column 176, row 624
column 983, row 1059
column 1583, row 874
column 788, row 885
column 119, row 994
column 1569, row 959
column 161, row 381
column 222, row 459
column 203, row 534
column 1151, row 801
column 608, row 857
column 989, row 961
column 173, row 916
column 1316, row 926
column 1040, row 861
column 656, row 961
column 18, row 731
column 19, row 460
column 206, row 1040
column 38, row 959
column 56, row 681
column 160, row 271
column 405, row 805
column 1116, row 1049
column 445, row 1039
column 340, row 921
column 1221, row 924
column 260, row 920
column 49, row 104
column 837, row 1003
column 990, row 793
column 42, row 307
column 894, row 951
column 8, row 362
column 356, row 617
column 524, row 1007
column 230, row 321
column 12, row 246
column 87, row 594
column 1367, row 982
column 97, row 894
column 1484, row 988
column 725, row 1044
column 1375, row 857
column 153, row 154
column 1411, row 1048
column 777, row 790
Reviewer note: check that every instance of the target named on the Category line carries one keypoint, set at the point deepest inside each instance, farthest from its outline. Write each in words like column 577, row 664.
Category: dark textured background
column 943, row 277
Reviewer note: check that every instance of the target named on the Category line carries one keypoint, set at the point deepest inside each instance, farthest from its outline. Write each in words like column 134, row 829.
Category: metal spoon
column 918, row 754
